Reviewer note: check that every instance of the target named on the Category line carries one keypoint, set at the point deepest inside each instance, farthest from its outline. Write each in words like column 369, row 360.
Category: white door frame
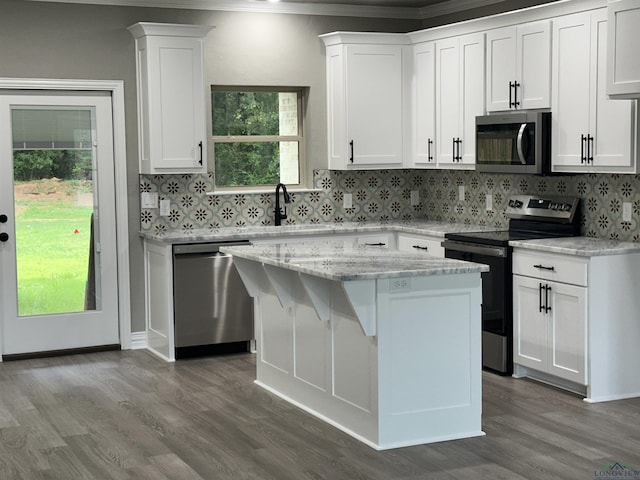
column 116, row 89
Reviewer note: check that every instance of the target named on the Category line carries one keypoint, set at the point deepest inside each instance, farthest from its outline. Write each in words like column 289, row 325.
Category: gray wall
column 51, row 40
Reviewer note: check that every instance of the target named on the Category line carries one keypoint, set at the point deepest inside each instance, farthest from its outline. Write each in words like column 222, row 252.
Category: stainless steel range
column 530, row 217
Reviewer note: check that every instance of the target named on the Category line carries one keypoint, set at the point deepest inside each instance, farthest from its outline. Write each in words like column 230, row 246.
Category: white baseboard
column 139, row 340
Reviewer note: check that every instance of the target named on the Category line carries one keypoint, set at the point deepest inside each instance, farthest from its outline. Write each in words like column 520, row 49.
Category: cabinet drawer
column 415, row 243
column 558, row 268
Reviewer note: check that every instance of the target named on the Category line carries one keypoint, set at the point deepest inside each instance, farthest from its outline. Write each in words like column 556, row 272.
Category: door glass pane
column 53, row 167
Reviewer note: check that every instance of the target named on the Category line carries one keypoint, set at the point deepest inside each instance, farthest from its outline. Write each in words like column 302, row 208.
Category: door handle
column 429, row 156
column 542, row 267
column 589, row 149
column 540, row 307
column 547, row 308
column 4, row 237
column 351, row 157
column 420, row 248
column 3, row 218
column 519, row 146
column 201, row 159
column 515, row 94
column 510, row 97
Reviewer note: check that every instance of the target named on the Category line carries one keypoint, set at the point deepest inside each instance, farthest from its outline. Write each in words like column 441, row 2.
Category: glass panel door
column 57, row 189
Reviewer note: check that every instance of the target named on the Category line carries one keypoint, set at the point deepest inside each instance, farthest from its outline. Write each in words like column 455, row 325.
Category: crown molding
column 261, row 6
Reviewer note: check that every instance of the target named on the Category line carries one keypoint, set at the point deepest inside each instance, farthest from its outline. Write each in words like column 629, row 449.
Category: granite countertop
column 579, row 246
column 342, row 261
column 420, row 227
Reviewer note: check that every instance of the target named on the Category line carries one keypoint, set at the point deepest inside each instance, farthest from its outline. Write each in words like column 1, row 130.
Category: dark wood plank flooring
column 128, row 415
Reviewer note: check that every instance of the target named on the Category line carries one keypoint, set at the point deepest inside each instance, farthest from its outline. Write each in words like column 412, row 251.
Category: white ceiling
column 408, row 9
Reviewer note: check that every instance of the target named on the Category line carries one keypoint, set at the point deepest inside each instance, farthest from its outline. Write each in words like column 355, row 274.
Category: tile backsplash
column 384, row 195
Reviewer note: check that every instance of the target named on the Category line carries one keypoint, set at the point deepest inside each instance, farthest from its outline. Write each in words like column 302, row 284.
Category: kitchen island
column 384, row 345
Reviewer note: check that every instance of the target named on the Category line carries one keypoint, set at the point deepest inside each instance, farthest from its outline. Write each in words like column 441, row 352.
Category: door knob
column 4, row 237
column 3, row 218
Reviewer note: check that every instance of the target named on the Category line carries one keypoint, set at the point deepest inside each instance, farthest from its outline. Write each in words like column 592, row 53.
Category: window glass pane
column 245, row 113
column 51, row 129
column 256, row 163
column 288, row 105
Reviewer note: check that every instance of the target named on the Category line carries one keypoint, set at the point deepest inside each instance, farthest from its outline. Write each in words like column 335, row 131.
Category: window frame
column 300, row 138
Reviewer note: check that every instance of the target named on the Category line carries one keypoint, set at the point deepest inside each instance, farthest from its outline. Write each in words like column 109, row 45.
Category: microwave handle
column 519, row 144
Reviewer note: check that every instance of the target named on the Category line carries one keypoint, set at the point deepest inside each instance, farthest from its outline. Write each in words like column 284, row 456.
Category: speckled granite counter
column 342, row 261
column 579, row 246
column 221, row 234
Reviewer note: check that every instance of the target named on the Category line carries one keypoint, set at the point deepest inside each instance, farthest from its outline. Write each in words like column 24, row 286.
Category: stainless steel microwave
column 514, row 142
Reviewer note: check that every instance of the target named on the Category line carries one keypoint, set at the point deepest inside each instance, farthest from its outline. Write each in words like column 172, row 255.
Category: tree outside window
column 257, row 136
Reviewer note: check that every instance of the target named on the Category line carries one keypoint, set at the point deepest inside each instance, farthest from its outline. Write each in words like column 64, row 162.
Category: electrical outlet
column 347, row 201
column 165, row 206
column 415, row 198
column 489, row 203
column 149, row 200
column 461, row 193
column 626, row 211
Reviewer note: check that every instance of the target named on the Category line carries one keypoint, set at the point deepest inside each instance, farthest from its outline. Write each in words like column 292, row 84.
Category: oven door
column 497, row 324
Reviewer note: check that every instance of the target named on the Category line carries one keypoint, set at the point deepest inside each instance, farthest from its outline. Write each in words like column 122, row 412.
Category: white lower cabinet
column 576, row 322
column 420, row 243
column 549, row 327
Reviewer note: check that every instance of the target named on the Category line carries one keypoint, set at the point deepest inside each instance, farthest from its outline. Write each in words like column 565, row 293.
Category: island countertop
column 346, row 261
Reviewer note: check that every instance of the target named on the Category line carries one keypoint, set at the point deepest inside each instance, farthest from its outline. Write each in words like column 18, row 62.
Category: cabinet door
column 471, row 93
column 613, row 122
column 529, row 324
column 570, row 87
column 459, row 98
column 424, row 105
column 176, row 105
column 622, row 51
column 567, row 336
column 448, row 99
column 374, row 104
column 533, row 65
column 501, row 67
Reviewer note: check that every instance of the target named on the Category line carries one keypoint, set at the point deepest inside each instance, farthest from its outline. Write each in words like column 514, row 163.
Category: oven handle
column 519, row 144
column 470, row 248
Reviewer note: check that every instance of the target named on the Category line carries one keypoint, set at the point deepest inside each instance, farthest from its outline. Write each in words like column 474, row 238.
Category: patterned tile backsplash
column 384, row 195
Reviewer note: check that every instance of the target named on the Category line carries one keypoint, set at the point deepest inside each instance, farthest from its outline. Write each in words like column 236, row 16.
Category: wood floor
column 127, row 415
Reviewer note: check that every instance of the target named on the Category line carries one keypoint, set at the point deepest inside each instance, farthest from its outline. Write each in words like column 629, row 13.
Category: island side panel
column 326, row 367
column 429, row 354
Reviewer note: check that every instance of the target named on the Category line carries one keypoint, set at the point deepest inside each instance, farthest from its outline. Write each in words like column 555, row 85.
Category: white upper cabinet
column 423, row 91
column 365, row 103
column 623, row 61
column 519, row 67
column 459, row 99
column 591, row 133
column 171, row 97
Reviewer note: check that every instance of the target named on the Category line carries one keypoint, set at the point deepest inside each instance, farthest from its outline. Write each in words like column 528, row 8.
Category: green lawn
column 52, row 238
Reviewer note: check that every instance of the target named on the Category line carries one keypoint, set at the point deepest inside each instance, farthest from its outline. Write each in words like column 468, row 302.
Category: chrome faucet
column 279, row 215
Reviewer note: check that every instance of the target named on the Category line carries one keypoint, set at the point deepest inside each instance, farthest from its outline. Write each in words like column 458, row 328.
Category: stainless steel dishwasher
column 213, row 312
